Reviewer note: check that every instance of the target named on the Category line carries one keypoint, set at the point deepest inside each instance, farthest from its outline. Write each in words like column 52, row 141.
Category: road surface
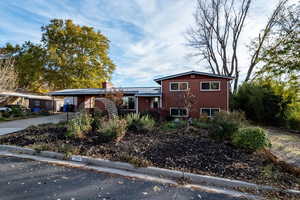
column 25, row 179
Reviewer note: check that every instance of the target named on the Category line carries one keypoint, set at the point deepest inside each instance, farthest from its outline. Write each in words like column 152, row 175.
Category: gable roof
column 192, row 72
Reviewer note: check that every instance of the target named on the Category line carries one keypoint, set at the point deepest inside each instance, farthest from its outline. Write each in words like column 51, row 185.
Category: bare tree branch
column 219, row 24
column 263, row 37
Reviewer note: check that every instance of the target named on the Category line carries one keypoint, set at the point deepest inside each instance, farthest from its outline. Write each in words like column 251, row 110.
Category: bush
column 136, row 122
column 261, row 103
column 198, row 123
column 98, row 118
column 251, row 138
column 225, row 124
column 113, row 129
column 293, row 121
column 174, row 125
column 153, row 113
column 79, row 126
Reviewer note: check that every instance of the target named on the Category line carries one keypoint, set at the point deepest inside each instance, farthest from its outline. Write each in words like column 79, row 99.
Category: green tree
column 281, row 57
column 76, row 56
column 29, row 65
column 262, row 103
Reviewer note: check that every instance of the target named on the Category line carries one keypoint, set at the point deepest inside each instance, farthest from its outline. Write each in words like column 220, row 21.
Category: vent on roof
column 193, row 76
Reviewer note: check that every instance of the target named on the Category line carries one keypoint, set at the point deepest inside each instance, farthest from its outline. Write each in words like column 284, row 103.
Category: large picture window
column 210, row 86
column 179, row 86
column 178, row 112
column 209, row 111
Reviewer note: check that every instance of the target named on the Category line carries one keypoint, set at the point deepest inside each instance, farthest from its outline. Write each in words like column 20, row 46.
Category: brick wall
column 203, row 99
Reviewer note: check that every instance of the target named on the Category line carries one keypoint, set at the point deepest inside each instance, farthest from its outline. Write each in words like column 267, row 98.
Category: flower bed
column 190, row 151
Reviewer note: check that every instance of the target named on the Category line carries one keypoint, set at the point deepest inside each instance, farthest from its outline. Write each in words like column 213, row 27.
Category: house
column 210, row 94
column 32, row 101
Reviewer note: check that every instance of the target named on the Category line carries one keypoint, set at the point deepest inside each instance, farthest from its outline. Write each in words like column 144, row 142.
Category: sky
column 147, row 36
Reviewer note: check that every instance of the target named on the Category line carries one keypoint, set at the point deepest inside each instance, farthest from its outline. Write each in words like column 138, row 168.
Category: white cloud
column 147, row 35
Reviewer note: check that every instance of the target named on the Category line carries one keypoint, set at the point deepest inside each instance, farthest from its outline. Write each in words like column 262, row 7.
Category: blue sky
column 147, row 36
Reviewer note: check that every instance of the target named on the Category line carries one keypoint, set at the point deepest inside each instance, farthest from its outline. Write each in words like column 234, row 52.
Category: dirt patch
column 189, row 152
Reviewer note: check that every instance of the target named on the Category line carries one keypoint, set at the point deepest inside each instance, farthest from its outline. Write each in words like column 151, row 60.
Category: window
column 179, row 86
column 178, row 112
column 37, row 103
column 155, row 103
column 209, row 111
column 128, row 103
column 210, row 86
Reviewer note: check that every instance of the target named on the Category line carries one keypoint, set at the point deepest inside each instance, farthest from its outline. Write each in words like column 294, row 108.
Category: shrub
column 173, row 125
column 153, row 113
column 79, row 125
column 98, row 118
column 293, row 122
column 225, row 124
column 251, row 138
column 136, row 122
column 261, row 103
column 198, row 123
column 113, row 129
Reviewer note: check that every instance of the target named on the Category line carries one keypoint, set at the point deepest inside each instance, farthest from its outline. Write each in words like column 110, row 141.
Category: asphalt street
column 25, row 179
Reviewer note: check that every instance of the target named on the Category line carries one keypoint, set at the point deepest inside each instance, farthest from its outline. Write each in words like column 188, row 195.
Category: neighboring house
column 210, row 95
column 31, row 101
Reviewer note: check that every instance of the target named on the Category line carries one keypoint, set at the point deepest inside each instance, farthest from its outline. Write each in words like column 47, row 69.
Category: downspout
column 136, row 104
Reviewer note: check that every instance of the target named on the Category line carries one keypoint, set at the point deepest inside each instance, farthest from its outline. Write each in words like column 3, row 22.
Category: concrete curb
column 148, row 171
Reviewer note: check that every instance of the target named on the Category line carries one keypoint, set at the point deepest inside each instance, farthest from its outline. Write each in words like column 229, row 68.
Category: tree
column 216, row 35
column 70, row 56
column 29, row 62
column 76, row 56
column 281, row 57
column 261, row 103
column 189, row 99
column 8, row 75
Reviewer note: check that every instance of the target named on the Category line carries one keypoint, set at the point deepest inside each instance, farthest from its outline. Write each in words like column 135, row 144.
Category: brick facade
column 203, row 99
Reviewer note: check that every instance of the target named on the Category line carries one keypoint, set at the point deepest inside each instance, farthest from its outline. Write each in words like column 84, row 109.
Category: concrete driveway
column 25, row 179
column 18, row 125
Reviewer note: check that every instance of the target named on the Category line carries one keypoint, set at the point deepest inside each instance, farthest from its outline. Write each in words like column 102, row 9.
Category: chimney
column 106, row 85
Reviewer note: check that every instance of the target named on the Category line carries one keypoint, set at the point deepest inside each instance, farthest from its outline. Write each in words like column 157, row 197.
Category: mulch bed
column 189, row 152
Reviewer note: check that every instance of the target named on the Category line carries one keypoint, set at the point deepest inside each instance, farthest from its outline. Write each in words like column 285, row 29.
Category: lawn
column 190, row 150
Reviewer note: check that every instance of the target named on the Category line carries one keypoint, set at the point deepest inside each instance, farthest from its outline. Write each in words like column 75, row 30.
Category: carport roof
column 96, row 91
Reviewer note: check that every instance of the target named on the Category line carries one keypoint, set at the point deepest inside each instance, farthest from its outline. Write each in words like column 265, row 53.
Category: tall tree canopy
column 77, row 56
column 281, row 56
column 69, row 56
column 216, row 35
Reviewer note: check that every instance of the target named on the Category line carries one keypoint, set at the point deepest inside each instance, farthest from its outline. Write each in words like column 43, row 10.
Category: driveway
column 25, row 179
column 17, row 125
column 285, row 145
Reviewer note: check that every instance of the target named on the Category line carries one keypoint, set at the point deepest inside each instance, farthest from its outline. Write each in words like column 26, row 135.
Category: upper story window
column 179, row 86
column 210, row 86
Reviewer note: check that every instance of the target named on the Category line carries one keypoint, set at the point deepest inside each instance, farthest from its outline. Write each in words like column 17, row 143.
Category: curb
column 148, row 171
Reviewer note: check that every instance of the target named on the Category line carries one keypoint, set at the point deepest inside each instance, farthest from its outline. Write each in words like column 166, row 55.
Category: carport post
column 53, row 104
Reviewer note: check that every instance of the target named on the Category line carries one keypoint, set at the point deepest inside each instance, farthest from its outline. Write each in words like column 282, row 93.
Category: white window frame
column 210, row 82
column 187, row 112
column 219, row 109
column 179, row 90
